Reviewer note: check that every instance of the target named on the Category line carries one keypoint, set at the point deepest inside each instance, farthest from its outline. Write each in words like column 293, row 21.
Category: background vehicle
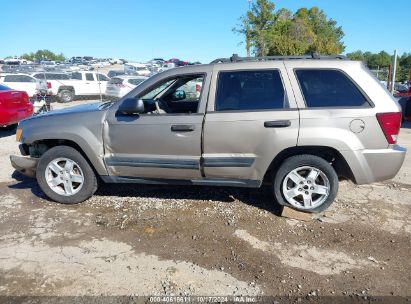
column 133, row 68
column 297, row 124
column 113, row 73
column 116, row 61
column 14, row 106
column 79, row 83
column 23, row 82
column 120, row 85
column 166, row 66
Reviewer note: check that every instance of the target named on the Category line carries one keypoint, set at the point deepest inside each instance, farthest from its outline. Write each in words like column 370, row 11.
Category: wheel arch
column 38, row 148
column 330, row 154
column 68, row 88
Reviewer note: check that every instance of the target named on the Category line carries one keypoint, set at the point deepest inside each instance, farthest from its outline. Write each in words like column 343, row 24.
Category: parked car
column 96, row 64
column 81, row 83
column 116, row 61
column 23, row 82
column 113, row 73
column 14, row 106
column 48, row 63
column 297, row 124
column 120, row 85
column 405, row 103
column 166, row 66
column 133, row 68
column 177, row 62
column 401, row 88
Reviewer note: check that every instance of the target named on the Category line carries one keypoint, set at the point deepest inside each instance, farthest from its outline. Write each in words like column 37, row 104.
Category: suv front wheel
column 306, row 183
column 65, row 176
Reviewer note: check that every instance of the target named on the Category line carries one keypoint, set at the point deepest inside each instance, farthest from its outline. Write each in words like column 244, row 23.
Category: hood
column 91, row 107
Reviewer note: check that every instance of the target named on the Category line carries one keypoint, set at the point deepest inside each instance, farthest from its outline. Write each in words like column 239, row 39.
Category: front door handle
column 277, row 124
column 182, row 128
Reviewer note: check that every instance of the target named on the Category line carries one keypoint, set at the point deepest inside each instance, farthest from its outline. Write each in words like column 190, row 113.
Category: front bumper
column 374, row 165
column 25, row 164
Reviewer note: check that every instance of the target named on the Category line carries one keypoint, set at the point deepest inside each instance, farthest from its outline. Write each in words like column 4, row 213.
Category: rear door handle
column 182, row 128
column 277, row 124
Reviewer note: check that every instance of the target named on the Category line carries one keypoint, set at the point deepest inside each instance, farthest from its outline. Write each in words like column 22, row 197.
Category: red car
column 14, row 106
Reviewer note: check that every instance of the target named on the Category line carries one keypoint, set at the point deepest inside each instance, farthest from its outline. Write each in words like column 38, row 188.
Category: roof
column 312, row 56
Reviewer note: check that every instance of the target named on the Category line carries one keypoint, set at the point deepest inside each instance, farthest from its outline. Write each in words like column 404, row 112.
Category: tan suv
column 298, row 123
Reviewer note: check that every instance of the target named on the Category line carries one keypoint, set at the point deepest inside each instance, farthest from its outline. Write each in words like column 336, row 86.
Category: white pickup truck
column 68, row 86
column 23, row 82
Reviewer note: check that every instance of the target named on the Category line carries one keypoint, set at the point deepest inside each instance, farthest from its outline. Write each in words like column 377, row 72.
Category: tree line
column 382, row 60
column 271, row 32
column 43, row 55
column 282, row 32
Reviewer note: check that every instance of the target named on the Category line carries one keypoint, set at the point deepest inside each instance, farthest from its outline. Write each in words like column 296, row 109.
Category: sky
column 192, row 30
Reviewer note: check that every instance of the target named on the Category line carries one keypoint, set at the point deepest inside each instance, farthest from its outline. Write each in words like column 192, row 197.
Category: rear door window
column 329, row 88
column 102, row 77
column 89, row 77
column 76, row 75
column 250, row 90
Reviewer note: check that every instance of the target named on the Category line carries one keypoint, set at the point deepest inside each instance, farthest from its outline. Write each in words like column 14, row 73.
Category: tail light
column 390, row 124
column 48, row 85
column 198, row 88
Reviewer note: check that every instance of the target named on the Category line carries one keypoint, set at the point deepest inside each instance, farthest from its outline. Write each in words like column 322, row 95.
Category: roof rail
column 314, row 55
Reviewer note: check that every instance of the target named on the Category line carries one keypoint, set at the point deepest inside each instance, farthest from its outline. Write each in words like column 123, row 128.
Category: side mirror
column 131, row 106
column 178, row 95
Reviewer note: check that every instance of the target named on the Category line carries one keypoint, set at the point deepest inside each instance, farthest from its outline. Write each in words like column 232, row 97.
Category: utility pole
column 394, row 70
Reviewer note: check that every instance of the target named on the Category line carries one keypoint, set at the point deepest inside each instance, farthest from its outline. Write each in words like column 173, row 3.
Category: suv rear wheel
column 66, row 96
column 306, row 182
column 65, row 176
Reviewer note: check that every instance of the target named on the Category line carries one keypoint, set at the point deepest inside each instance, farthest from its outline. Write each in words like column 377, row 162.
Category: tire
column 65, row 96
column 312, row 189
column 56, row 184
column 9, row 127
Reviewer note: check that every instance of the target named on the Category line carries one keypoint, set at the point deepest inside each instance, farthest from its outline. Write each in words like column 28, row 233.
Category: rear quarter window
column 329, row 88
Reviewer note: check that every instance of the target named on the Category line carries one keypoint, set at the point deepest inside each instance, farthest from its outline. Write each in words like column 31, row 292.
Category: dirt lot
column 167, row 240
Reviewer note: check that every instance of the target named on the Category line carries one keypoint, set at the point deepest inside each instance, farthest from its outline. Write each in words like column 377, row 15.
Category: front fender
column 86, row 132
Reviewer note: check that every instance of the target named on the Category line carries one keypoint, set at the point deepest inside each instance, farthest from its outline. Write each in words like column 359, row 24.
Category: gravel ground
column 168, row 240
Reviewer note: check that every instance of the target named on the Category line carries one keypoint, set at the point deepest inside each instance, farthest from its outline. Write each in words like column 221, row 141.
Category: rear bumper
column 24, row 164
column 375, row 165
column 10, row 117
